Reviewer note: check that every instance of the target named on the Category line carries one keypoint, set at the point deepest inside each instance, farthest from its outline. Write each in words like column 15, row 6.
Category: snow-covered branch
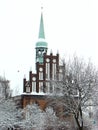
column 77, row 88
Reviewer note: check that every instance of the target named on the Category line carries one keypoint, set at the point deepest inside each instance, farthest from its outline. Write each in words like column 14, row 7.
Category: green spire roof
column 41, row 39
column 41, row 29
column 41, row 44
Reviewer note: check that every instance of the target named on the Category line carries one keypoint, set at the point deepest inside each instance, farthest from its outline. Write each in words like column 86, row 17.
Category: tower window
column 47, row 60
column 40, row 69
column 40, row 86
column 40, row 75
column 54, row 71
column 54, row 60
column 34, row 78
column 34, row 86
column 27, row 89
column 48, row 87
column 47, row 71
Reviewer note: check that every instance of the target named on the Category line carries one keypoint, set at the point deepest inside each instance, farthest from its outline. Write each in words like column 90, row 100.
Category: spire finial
column 41, row 8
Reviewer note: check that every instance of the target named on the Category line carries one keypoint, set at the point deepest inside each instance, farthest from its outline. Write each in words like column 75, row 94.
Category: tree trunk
column 81, row 117
column 80, row 127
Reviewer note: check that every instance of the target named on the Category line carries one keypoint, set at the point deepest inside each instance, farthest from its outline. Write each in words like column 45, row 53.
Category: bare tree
column 9, row 114
column 5, row 91
column 76, row 90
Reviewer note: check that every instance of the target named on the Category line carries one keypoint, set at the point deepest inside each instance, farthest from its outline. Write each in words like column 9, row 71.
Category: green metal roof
column 41, row 39
column 41, row 29
column 41, row 44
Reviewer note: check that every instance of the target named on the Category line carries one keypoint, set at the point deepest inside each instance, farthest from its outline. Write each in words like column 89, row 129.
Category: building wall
column 30, row 99
column 40, row 81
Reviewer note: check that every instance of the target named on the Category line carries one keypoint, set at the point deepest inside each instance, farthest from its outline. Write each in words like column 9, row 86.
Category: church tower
column 41, row 45
column 36, row 88
column 47, row 68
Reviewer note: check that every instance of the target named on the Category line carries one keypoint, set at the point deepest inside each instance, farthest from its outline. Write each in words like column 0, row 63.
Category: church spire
column 41, row 29
column 41, row 44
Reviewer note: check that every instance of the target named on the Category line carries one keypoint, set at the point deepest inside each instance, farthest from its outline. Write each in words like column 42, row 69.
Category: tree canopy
column 76, row 90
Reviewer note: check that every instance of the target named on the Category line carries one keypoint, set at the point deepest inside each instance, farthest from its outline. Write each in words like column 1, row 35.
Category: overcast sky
column 71, row 26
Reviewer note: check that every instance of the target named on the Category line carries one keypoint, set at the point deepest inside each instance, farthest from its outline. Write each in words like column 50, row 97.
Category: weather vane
column 41, row 5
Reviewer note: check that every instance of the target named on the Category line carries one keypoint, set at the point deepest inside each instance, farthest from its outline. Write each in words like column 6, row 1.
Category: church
column 48, row 68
